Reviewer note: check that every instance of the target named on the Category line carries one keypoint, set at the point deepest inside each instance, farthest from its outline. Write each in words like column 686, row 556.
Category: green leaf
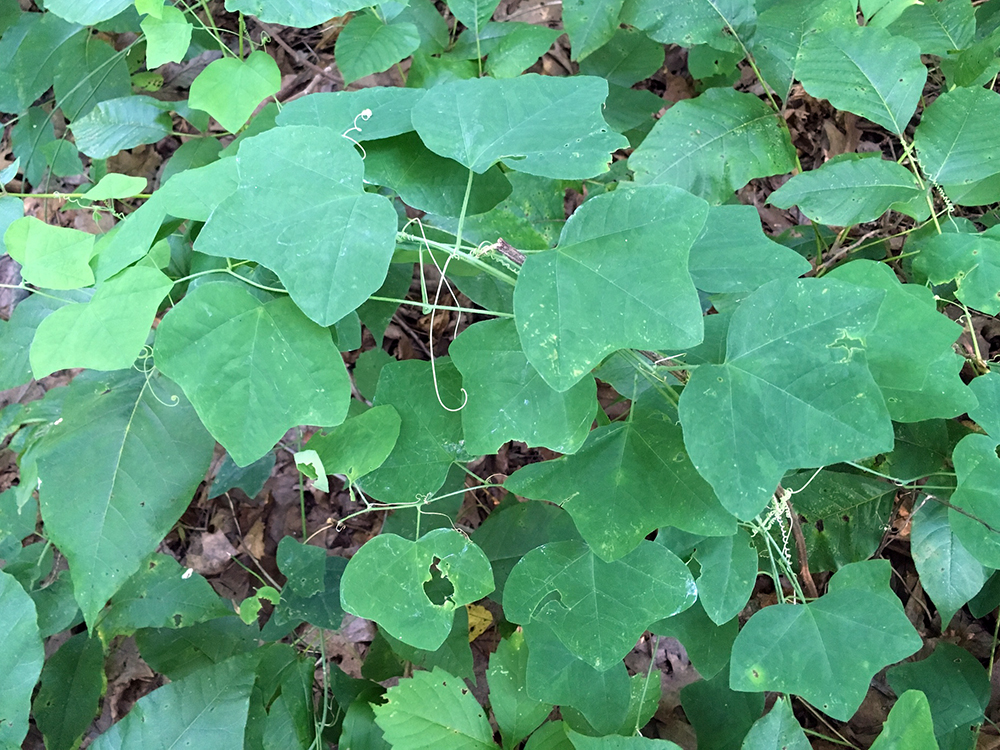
column 971, row 260
column 978, row 469
column 597, row 609
column 312, row 591
column 230, row 89
column 728, row 574
column 617, row 279
column 615, row 742
column 474, row 14
column 342, row 111
column 519, row 48
column 105, row 503
column 89, row 72
column 161, row 594
column 235, row 357
column 106, row 333
column 550, row 736
column 360, row 445
column 957, row 689
column 168, row 37
column 954, row 139
column 686, row 23
column 605, row 486
column 88, row 13
column 16, row 336
column 848, row 191
column 298, row 13
column 721, row 717
column 250, row 478
column 20, row 659
column 517, row 714
column 542, row 125
column 71, row 686
column 508, row 400
column 118, row 124
column 368, row 45
column 309, row 181
column 385, row 581
column 789, row 395
column 116, row 186
column 206, row 710
column 434, row 709
column 783, row 27
column 777, row 730
column 918, row 377
column 732, row 253
column 707, row 645
column 813, row 650
column 51, row 257
column 178, row 653
column 628, row 57
column 987, row 414
column 909, row 725
column 713, row 145
column 31, row 53
column 429, row 434
column 864, row 70
column 453, row 656
column 429, row 182
column 303, row 565
column 939, row 27
column 590, row 24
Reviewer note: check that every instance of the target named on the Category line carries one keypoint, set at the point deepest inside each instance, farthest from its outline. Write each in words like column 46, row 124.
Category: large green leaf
column 721, row 23
column 31, row 53
column 605, row 487
column 253, row 370
column 118, row 124
column 88, row 13
column 597, row 609
column 848, row 191
column 89, row 75
column 51, row 257
column 508, row 399
column 298, row 13
column 367, row 45
column 105, row 333
column 617, row 279
column 72, row 682
column 302, row 187
column 106, row 502
column 517, row 714
column 429, row 434
column 617, row 742
column 385, row 581
column 918, row 376
column 971, row 260
column 864, row 70
column 955, row 141
column 987, row 413
column 909, row 725
column 434, row 710
column 713, row 145
column 939, row 27
column 975, row 517
column 341, row 111
column 828, row 650
column 542, row 125
column 21, row 659
column 790, row 393
column 778, row 730
column 230, row 89
column 590, row 24
column 207, row 710
column 728, row 573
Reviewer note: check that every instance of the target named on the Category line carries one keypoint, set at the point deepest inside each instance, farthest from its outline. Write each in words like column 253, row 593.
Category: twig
column 297, row 56
column 511, row 253
column 800, row 546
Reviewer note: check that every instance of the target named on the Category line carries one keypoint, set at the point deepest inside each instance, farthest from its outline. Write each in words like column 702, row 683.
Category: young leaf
column 848, row 191
column 617, row 279
column 605, row 487
column 865, row 70
column 369, row 45
column 728, row 573
column 542, row 125
column 105, row 504
column 713, row 145
column 721, row 717
column 118, row 124
column 597, row 609
column 308, row 180
column 590, row 24
column 168, row 37
column 978, row 470
column 106, row 333
column 51, row 257
column 971, row 260
column 206, row 709
column 789, row 394
column 954, row 140
column 21, row 659
column 434, row 710
column 72, row 682
column 688, row 23
column 232, row 355
column 516, row 713
column 909, row 725
column 360, row 445
column 230, row 89
column 813, row 649
column 508, row 400
column 387, row 581
column 777, row 730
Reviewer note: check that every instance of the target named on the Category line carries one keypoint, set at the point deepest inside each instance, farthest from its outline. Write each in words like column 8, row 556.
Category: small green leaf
column 777, row 730
column 168, row 37
column 864, row 70
column 106, row 333
column 617, row 279
column 118, row 124
column 691, row 22
column 368, row 45
column 721, row 717
column 115, row 186
column 311, row 465
column 909, row 725
column 516, row 713
column 971, row 260
column 474, row 14
column 51, row 257
column 519, row 48
column 813, row 649
column 250, row 478
column 300, row 598
column 713, row 145
column 590, row 24
column 438, row 709
column 234, row 356
column 542, row 125
column 360, row 445
column 728, row 573
column 629, row 57
column 230, row 89
column 21, row 659
column 978, row 469
column 71, row 685
column 848, row 191
column 597, row 609
column 386, row 581
column 707, row 645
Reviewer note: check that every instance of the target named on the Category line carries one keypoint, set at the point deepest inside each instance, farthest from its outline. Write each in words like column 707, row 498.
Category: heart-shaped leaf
column 360, row 445
column 231, row 89
column 50, row 257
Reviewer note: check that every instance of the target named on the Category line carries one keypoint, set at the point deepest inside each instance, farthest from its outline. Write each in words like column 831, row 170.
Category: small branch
column 800, row 546
column 511, row 253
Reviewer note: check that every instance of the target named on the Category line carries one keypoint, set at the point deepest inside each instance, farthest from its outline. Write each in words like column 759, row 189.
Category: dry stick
column 297, row 56
column 511, row 253
column 800, row 546
column 842, row 253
